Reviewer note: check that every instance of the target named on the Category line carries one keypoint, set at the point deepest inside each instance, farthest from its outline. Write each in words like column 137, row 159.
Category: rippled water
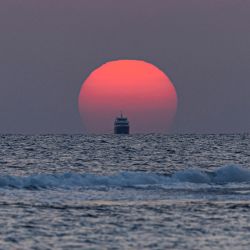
column 125, row 192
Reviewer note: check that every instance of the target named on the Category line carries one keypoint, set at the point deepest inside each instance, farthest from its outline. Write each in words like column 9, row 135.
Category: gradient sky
column 47, row 49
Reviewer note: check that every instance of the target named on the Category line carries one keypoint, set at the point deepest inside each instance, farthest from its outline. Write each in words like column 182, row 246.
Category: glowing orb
column 138, row 89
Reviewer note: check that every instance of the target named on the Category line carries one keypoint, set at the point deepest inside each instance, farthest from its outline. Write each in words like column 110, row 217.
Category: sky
column 48, row 48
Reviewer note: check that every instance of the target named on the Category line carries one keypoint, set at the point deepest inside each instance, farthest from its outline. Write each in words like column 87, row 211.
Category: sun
column 137, row 88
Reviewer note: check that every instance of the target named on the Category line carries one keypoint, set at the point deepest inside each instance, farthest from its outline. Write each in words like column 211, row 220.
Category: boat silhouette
column 121, row 125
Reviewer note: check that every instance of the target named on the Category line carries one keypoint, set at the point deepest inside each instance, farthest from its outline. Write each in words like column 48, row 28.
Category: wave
column 221, row 176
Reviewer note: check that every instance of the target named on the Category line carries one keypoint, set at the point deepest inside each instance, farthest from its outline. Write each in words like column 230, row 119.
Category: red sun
column 138, row 89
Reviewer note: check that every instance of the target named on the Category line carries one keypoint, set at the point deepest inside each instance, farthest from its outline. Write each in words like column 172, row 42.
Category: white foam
column 223, row 175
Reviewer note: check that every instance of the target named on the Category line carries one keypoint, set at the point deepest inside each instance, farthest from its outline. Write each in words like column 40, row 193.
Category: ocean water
column 125, row 192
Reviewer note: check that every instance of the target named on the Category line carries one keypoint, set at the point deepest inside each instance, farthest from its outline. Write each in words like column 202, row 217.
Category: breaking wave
column 221, row 176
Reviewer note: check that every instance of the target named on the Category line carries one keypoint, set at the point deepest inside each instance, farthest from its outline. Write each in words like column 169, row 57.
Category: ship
column 121, row 125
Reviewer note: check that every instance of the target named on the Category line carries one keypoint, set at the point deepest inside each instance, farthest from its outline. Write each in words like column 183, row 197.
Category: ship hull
column 122, row 130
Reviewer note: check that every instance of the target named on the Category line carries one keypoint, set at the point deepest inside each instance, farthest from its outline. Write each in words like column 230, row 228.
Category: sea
column 125, row 191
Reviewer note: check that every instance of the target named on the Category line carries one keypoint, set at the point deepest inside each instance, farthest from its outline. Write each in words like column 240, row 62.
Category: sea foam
column 221, row 176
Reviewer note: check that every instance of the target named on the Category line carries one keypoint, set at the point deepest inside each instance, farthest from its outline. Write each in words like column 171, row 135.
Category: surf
column 221, row 176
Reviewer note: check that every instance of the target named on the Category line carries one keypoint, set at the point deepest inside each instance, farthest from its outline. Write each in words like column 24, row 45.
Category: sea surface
column 125, row 192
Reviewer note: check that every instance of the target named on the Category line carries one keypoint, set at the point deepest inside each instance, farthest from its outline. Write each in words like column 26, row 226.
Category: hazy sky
column 47, row 49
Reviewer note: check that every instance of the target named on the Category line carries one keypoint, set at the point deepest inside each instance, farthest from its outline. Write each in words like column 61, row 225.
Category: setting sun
column 137, row 88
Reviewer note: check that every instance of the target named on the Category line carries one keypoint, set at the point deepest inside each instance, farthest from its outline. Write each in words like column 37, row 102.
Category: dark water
column 125, row 192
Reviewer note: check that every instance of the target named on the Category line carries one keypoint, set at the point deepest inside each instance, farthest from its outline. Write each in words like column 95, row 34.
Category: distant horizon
column 131, row 134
